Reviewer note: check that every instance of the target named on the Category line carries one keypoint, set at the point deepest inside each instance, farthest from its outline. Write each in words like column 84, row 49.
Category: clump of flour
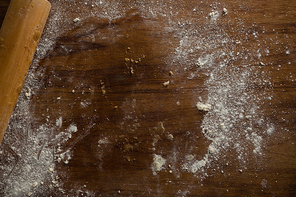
column 158, row 163
column 203, row 107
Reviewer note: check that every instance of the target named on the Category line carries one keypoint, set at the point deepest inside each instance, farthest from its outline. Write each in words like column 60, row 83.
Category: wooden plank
column 122, row 120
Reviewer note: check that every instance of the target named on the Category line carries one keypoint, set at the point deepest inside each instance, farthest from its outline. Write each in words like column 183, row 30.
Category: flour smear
column 232, row 111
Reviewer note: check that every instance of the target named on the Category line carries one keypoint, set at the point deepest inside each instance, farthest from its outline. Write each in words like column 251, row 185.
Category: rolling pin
column 19, row 36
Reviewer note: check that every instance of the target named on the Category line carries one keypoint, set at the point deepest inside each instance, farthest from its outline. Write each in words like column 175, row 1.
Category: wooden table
column 109, row 107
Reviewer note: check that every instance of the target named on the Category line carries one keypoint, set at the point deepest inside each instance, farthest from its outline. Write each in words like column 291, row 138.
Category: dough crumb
column 59, row 122
column 224, row 12
column 170, row 137
column 72, row 128
column 34, row 184
column 165, row 84
column 214, row 15
column 160, row 128
column 76, row 20
column 132, row 70
column 28, row 94
column 212, row 149
column 203, row 107
column 50, row 169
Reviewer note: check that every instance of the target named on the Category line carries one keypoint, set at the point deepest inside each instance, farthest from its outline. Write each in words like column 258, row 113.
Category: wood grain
column 85, row 79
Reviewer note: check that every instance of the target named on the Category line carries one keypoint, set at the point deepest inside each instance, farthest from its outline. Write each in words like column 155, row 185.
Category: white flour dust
column 232, row 110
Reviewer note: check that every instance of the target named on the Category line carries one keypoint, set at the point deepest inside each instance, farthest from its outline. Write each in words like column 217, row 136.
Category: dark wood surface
column 80, row 78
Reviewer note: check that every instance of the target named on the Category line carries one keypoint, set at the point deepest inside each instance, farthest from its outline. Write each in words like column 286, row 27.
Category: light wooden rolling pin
column 19, row 35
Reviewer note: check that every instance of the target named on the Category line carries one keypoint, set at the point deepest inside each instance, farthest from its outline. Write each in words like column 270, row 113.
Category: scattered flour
column 203, row 61
column 232, row 109
column 103, row 141
column 59, row 122
column 270, row 129
column 198, row 165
